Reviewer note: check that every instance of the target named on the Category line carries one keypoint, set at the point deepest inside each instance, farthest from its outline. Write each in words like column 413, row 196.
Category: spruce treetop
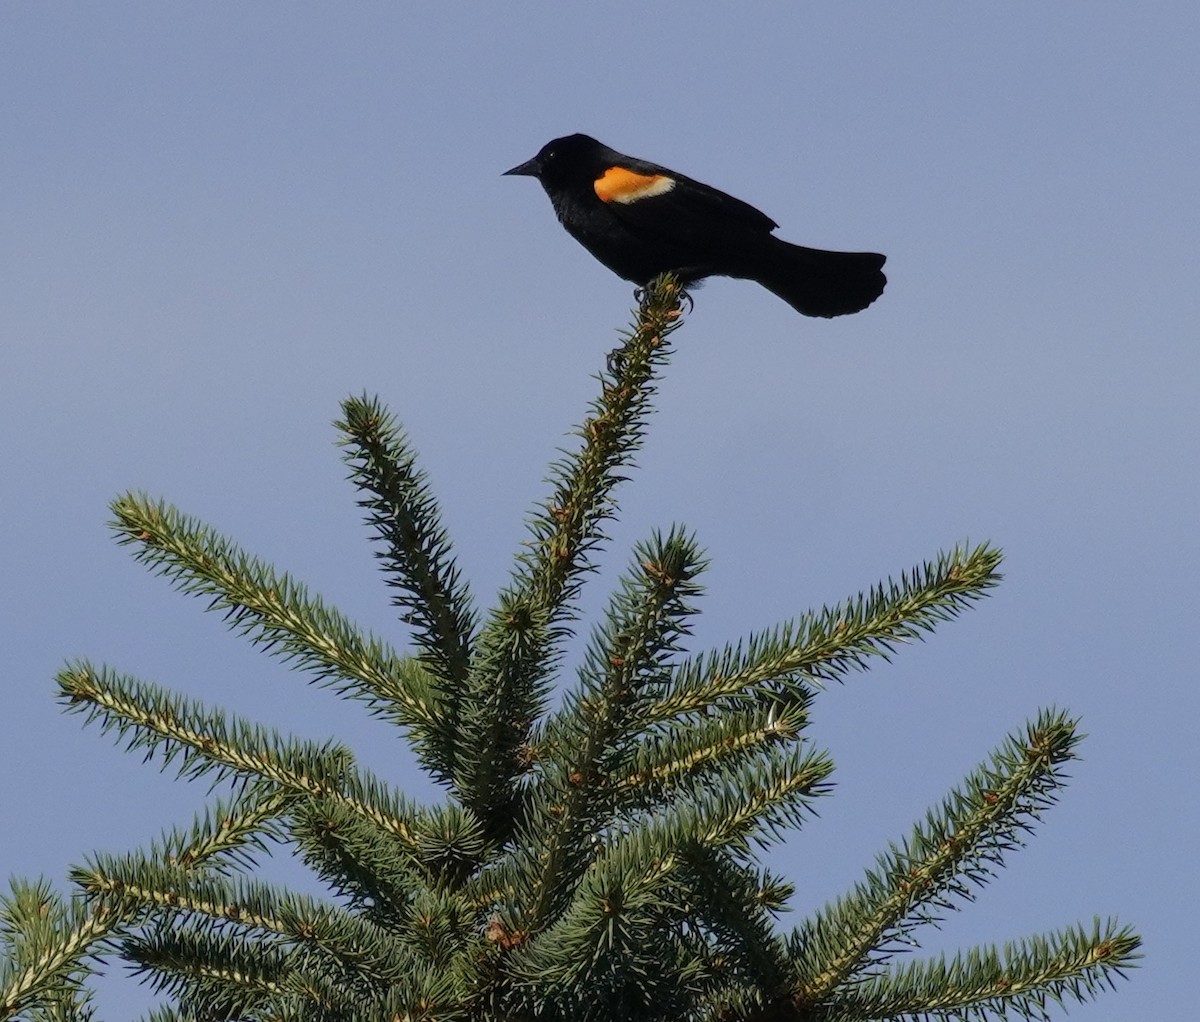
column 594, row 859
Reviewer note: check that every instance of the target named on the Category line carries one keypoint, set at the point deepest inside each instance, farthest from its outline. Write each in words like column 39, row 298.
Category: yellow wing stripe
column 620, row 185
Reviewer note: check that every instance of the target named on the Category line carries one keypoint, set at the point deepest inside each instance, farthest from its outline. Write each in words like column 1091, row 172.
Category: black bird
column 640, row 220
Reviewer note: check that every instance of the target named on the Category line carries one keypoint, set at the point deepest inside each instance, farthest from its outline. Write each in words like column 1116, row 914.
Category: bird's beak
column 529, row 168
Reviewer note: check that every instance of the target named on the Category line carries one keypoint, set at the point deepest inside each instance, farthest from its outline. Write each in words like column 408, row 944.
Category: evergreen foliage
column 596, row 862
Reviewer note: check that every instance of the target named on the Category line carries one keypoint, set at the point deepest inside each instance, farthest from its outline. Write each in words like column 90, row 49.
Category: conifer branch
column 198, row 741
column 226, row 834
column 214, row 969
column 619, row 921
column 635, row 887
column 45, row 942
column 276, row 612
column 214, row 975
column 644, row 970
column 356, row 858
column 1026, row 978
column 415, row 551
column 139, row 883
column 686, row 754
column 205, row 741
column 626, row 658
column 49, row 941
column 171, row 1013
column 824, row 646
column 735, row 909
column 517, row 649
column 568, row 527
column 747, row 805
column 957, row 847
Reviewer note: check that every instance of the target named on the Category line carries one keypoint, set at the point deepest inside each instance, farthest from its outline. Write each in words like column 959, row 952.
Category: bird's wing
column 649, row 198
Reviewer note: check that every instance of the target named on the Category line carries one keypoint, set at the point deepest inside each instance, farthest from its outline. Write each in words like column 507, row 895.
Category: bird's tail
column 820, row 283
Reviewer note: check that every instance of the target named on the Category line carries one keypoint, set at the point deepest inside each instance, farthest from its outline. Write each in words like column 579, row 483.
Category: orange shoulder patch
column 620, row 185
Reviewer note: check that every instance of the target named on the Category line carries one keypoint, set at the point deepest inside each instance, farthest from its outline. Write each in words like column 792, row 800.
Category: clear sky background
column 218, row 219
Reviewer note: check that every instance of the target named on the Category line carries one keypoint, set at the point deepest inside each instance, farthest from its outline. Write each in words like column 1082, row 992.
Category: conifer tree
column 594, row 861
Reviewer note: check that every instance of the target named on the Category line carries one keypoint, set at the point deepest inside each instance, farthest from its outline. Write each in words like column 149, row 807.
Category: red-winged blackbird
column 640, row 220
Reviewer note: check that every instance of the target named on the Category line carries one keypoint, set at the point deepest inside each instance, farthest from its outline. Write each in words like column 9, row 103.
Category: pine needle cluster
column 595, row 859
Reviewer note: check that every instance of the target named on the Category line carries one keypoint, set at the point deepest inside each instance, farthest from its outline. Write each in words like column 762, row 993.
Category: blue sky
column 218, row 219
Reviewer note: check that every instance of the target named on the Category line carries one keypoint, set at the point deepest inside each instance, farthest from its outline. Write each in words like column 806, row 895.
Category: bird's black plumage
column 640, row 219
